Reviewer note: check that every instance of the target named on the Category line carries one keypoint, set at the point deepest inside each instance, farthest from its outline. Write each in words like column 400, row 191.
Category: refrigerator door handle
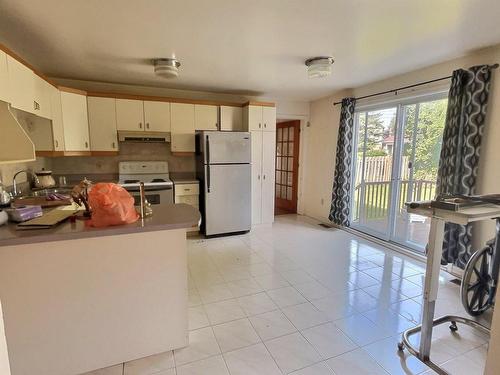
column 207, row 148
column 208, row 178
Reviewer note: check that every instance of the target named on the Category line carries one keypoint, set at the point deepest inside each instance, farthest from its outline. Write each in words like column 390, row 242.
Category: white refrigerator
column 224, row 169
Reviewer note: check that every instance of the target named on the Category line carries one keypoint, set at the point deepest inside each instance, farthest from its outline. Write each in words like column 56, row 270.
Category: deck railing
column 375, row 196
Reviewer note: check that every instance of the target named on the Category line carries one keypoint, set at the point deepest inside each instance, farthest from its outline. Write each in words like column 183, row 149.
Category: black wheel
column 476, row 292
column 401, row 346
column 453, row 327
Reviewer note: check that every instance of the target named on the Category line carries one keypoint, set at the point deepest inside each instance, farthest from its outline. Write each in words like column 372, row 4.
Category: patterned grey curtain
column 341, row 200
column 458, row 165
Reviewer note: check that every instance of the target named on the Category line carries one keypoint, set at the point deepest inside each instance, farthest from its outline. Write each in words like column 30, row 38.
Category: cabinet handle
column 260, row 125
column 147, row 125
column 140, row 125
column 258, row 177
column 113, row 145
column 86, row 145
column 263, row 176
column 57, row 143
column 187, row 189
column 265, row 125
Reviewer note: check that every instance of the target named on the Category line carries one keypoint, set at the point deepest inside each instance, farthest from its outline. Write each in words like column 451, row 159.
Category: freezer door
column 226, row 147
column 227, row 198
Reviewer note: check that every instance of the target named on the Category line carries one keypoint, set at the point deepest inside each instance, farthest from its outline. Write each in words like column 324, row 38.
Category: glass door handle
column 410, row 165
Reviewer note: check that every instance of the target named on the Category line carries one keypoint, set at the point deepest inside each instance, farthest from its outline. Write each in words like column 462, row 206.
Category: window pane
column 285, row 134
column 290, row 148
column 278, row 177
column 280, row 134
column 283, row 178
column 289, row 193
column 283, row 191
column 290, row 164
column 290, row 134
column 289, row 180
column 279, row 147
column 277, row 191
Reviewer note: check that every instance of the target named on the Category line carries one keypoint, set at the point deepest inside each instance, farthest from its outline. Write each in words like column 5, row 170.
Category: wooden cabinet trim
column 51, row 154
column 72, row 90
column 259, row 104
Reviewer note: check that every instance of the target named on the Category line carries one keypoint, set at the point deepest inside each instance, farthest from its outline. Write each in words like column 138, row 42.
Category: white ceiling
column 245, row 47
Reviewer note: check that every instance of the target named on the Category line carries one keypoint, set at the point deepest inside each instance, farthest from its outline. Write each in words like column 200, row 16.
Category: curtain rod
column 494, row 66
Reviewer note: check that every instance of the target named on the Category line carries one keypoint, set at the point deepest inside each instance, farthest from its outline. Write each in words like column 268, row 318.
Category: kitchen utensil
column 44, row 179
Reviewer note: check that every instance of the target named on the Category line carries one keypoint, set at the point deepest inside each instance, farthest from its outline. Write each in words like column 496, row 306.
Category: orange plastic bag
column 111, row 205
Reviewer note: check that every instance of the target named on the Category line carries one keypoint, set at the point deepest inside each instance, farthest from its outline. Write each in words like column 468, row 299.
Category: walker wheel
column 453, row 327
column 401, row 346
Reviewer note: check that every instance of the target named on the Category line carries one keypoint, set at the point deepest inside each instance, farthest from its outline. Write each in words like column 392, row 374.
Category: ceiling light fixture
column 167, row 68
column 319, row 67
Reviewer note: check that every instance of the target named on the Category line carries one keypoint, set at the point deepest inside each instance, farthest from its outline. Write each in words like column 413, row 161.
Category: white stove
column 155, row 176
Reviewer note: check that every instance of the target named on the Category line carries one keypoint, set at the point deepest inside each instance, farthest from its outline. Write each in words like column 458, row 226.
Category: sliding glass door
column 373, row 175
column 396, row 161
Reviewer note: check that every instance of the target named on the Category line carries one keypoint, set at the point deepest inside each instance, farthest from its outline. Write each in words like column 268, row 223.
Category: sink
column 45, row 192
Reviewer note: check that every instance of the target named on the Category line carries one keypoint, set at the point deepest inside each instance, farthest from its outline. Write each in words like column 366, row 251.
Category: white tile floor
column 296, row 298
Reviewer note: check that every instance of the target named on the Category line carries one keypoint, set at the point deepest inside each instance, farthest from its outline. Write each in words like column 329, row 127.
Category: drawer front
column 192, row 200
column 187, row 189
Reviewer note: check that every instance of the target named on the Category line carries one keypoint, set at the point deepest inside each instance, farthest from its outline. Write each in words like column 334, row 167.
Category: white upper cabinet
column 75, row 120
column 231, row 118
column 205, row 117
column 57, row 119
column 129, row 115
column 260, row 118
column 4, row 78
column 21, row 85
column 42, row 98
column 157, row 116
column 183, row 127
column 269, row 119
column 253, row 117
column 102, row 124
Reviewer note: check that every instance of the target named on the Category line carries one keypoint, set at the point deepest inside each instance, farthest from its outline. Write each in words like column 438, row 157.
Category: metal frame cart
column 438, row 219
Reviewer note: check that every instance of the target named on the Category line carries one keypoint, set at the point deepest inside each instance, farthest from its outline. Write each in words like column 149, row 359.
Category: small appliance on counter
column 223, row 165
column 158, row 188
column 24, row 213
column 44, row 179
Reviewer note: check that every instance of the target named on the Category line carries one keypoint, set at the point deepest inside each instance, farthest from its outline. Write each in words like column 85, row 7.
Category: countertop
column 184, row 177
column 165, row 217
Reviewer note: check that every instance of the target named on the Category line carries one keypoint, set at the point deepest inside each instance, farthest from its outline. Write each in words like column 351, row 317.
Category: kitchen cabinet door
column 75, row 121
column 205, row 117
column 102, row 124
column 157, row 116
column 268, row 175
column 129, row 115
column 4, row 78
column 57, row 119
column 269, row 119
column 21, row 85
column 231, row 118
column 182, row 127
column 256, row 177
column 254, row 117
column 42, row 98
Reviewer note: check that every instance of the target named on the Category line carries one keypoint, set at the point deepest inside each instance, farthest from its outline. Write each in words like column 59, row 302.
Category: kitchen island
column 76, row 298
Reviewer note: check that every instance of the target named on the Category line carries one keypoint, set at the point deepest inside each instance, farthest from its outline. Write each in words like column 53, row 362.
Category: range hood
column 15, row 145
column 143, row 136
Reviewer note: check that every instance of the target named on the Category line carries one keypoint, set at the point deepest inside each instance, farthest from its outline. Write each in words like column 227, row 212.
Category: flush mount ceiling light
column 167, row 68
column 319, row 67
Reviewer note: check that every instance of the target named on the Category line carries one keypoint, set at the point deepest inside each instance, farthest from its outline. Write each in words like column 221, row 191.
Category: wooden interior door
column 287, row 166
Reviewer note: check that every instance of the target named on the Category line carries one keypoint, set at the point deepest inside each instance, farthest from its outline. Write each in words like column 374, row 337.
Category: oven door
column 165, row 195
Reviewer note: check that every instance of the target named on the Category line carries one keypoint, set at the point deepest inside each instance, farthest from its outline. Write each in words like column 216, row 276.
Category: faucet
column 15, row 191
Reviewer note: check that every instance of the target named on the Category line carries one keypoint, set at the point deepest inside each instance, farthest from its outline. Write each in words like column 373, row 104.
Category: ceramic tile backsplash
column 7, row 171
column 128, row 152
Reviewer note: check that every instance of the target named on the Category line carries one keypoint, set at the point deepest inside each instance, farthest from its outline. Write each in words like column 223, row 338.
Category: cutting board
column 41, row 201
